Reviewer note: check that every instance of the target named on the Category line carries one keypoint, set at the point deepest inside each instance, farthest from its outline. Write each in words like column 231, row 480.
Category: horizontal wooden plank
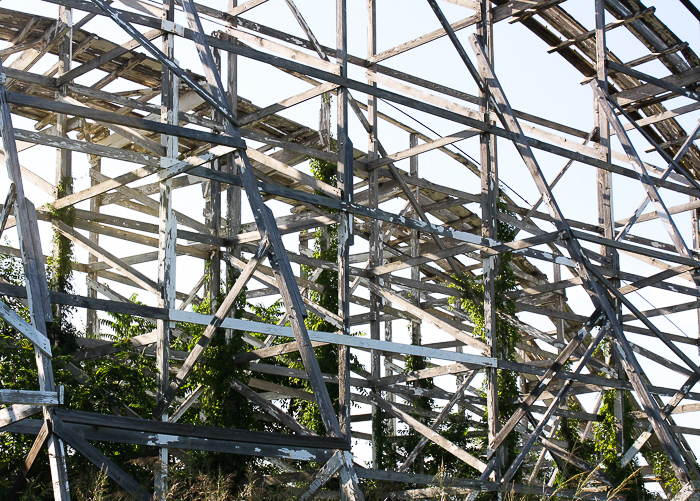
column 29, row 397
column 110, row 434
column 202, row 432
column 128, row 121
column 67, row 143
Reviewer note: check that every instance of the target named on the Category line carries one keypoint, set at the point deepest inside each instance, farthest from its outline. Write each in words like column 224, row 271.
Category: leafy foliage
column 325, row 247
column 471, row 298
column 219, row 404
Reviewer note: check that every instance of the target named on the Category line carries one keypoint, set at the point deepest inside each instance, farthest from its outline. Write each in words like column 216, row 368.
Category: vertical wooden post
column 213, row 216
column 560, row 303
column 605, row 209
column 167, row 235
column 389, row 336
column 65, row 49
column 345, row 181
column 37, row 287
column 415, row 243
column 489, row 211
column 233, row 193
column 695, row 221
column 376, row 242
column 92, row 324
column 64, row 165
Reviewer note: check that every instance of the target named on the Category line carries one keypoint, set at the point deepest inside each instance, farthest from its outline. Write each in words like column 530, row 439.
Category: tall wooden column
column 376, row 242
column 64, row 164
column 64, row 172
column 605, row 208
column 92, row 324
column 695, row 221
column 233, row 193
column 415, row 245
column 344, row 229
column 212, row 216
column 167, row 235
column 489, row 212
column 36, row 284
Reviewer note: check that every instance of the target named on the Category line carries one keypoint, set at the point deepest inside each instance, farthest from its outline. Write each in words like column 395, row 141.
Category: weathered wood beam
column 14, row 413
column 8, row 206
column 322, row 476
column 244, row 7
column 37, row 338
column 100, row 460
column 592, row 33
column 115, row 118
column 21, row 477
column 32, row 398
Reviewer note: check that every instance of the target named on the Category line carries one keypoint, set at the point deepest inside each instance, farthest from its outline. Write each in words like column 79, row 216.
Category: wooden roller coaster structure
column 404, row 240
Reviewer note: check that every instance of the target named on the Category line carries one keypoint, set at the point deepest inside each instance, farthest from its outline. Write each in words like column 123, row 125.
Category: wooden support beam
column 270, row 408
column 323, row 476
column 244, row 7
column 100, row 460
column 543, row 383
column 592, row 33
column 21, row 477
column 38, row 339
column 419, row 313
column 31, row 398
column 437, row 421
column 167, row 240
column 7, row 207
column 115, row 118
column 287, row 103
column 653, row 80
column 14, row 413
column 665, row 413
column 652, row 193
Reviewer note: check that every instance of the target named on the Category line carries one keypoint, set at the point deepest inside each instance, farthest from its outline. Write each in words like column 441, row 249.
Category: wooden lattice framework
column 201, row 133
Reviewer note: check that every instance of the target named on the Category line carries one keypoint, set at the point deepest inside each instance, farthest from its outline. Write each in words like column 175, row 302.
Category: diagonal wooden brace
column 7, row 207
column 21, row 477
column 100, row 460
column 323, row 476
column 210, row 330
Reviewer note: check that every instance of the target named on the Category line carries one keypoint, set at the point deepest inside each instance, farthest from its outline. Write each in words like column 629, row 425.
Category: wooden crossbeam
column 543, row 383
column 31, row 398
column 14, row 413
column 100, row 460
column 653, row 80
column 323, row 475
column 106, row 256
column 592, row 33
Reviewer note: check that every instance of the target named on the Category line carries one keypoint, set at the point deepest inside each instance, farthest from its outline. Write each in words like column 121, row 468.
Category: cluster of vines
column 507, row 336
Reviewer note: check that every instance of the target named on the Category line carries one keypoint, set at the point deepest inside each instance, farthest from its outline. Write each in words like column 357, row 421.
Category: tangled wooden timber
column 411, row 251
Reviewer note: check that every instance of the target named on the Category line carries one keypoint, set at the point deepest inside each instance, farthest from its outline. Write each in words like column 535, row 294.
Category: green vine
column 62, row 332
column 471, row 299
column 326, row 248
